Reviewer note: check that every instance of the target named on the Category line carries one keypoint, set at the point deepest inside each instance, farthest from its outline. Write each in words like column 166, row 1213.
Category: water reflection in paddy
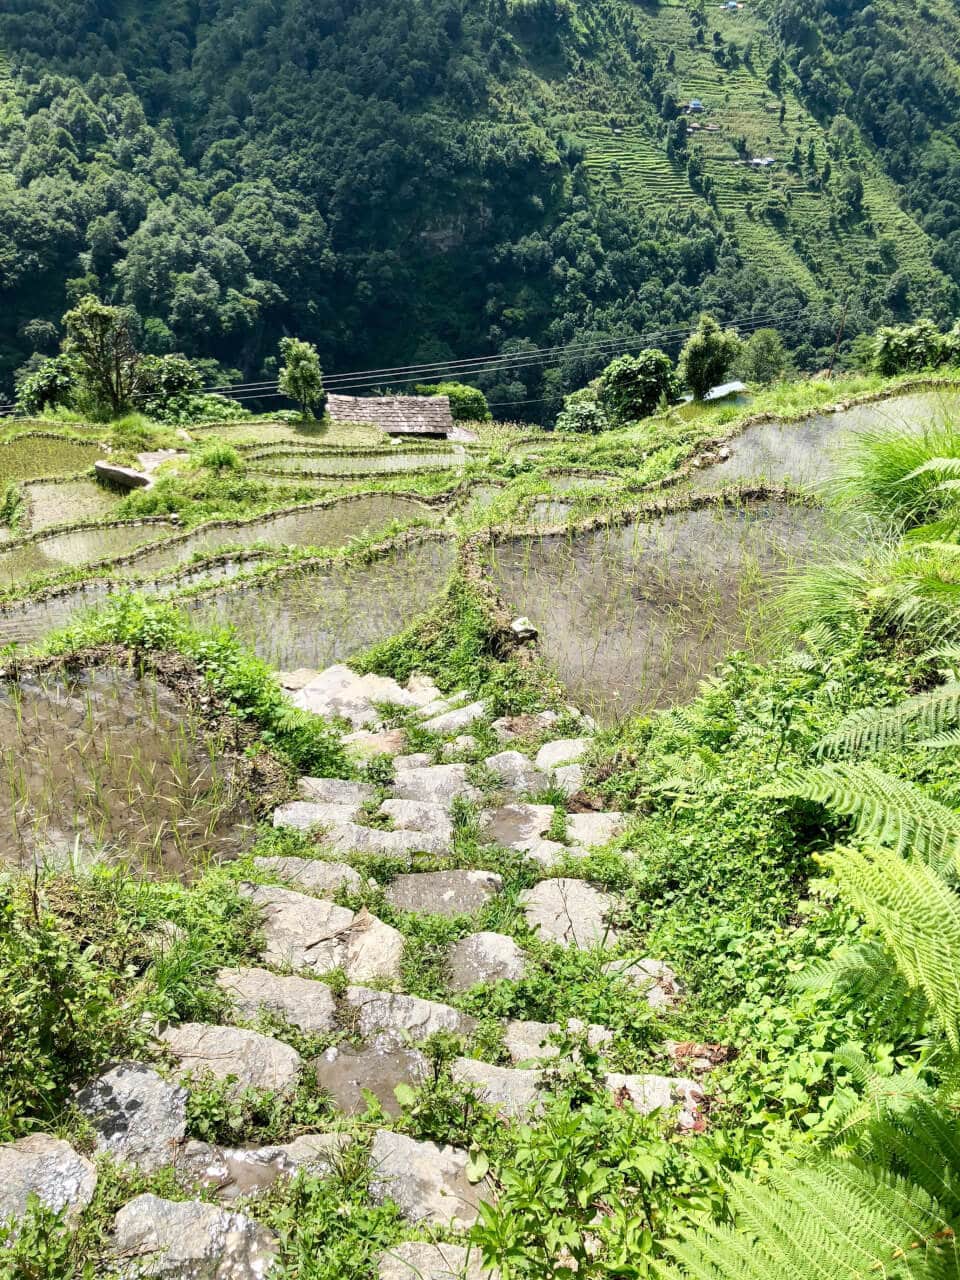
column 633, row 617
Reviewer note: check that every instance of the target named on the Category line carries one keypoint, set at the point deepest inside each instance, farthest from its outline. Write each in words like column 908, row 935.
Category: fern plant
column 927, row 716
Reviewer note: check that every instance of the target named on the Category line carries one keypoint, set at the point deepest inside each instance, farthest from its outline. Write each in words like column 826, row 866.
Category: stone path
column 137, row 1111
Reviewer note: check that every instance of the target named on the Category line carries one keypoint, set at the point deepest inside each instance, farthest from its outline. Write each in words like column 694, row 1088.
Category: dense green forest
column 422, row 180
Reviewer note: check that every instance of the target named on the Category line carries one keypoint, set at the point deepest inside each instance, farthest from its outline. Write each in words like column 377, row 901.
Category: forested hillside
column 421, row 179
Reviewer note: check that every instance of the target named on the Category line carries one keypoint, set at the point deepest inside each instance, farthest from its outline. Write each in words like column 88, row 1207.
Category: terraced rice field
column 31, row 457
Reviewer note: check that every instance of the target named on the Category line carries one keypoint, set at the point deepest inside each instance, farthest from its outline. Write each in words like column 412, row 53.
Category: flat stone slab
column 527, row 1041
column 654, row 977
column 508, row 728
column 190, row 1240
column 427, row 1183
column 437, row 783
column 562, row 751
column 363, row 744
column 458, row 719
column 303, row 1002
column 444, row 893
column 423, row 690
column 648, row 1093
column 517, row 826
column 310, row 933
column 138, row 1117
column 416, row 1260
column 335, row 791
column 350, row 837
column 517, row 774
column 233, row 1172
column 419, row 815
column 304, row 815
column 484, row 957
column 396, row 1020
column 570, row 912
column 514, row 1093
column 340, row 692
column 590, row 829
column 316, row 876
column 48, row 1168
column 122, row 477
column 257, row 1062
column 347, row 1074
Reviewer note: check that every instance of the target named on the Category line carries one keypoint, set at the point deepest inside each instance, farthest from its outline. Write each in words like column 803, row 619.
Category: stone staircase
column 138, row 1112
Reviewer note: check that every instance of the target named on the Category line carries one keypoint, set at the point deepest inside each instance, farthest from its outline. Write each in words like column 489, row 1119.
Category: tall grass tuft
column 882, row 472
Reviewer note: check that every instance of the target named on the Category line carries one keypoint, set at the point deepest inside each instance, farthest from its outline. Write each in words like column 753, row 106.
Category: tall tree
column 300, row 377
column 707, row 356
column 99, row 337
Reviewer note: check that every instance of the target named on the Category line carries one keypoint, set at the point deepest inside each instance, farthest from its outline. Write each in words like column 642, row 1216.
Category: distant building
column 425, row 416
column 695, row 105
column 763, row 162
column 725, row 390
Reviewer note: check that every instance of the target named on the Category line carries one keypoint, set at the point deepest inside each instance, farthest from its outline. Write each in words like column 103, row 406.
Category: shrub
column 631, row 387
column 764, row 358
column 220, row 456
column 54, row 382
column 467, row 404
column 707, row 356
column 582, row 414
column 908, row 348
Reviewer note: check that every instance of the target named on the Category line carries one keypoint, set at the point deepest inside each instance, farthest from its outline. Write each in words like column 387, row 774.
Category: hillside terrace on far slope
column 424, row 416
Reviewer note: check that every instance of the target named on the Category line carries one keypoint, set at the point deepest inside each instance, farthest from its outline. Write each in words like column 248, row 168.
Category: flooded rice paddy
column 33, row 457
column 314, row 615
column 330, row 464
column 633, row 617
column 804, row 454
column 68, row 502
column 108, row 765
column 56, row 552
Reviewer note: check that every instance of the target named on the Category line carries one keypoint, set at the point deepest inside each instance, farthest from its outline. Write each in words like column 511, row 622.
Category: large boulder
column 316, row 876
column 484, row 957
column 570, row 912
column 427, row 1183
column 137, row 1117
column 444, row 893
column 303, row 1002
column 310, row 933
column 254, row 1061
column 48, row 1168
column 400, row 1019
column 347, row 1074
column 189, row 1240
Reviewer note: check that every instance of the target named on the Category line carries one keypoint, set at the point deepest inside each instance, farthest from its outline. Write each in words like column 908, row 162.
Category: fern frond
column 883, row 808
column 942, row 741
column 880, row 728
column 864, row 972
column 939, row 466
column 917, row 916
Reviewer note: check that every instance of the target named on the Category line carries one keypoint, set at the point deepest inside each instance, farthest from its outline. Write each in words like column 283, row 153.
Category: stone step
column 517, row 826
column 444, row 893
column 562, row 751
column 484, row 957
column 335, row 791
column 347, row 1073
column 392, row 1019
column 305, row 815
column 436, row 784
column 312, row 934
column 570, row 912
column 512, row 1092
column 137, row 1116
column 419, row 815
column 232, row 1172
column 517, row 774
column 317, row 876
column 350, row 837
column 654, row 977
column 303, row 1002
column 428, row 1183
column 256, row 1061
column 457, row 719
column 528, row 1041
column 48, row 1168
column 184, row 1238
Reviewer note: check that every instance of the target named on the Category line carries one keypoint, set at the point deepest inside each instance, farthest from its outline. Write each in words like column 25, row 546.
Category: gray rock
column 318, row 877
column 233, row 1172
column 189, row 1240
column 304, row 815
column 363, row 744
column 517, row 826
column 562, row 751
column 484, row 957
column 654, row 977
column 527, row 1041
column 444, row 893
column 399, row 1020
column 416, row 1260
column 303, row 1002
column 436, row 783
column 347, row 1074
column 591, row 829
column 512, row 1092
column 138, row 1117
column 507, row 728
column 569, row 778
column 349, row 837
column 309, row 933
column 48, row 1168
column 335, row 791
column 547, row 853
column 570, row 912
column 652, row 1093
column 426, row 1182
column 458, row 719
column 423, row 690
column 417, row 760
column 294, row 680
column 517, row 775
column 338, row 691
column 419, row 815
column 523, row 629
column 257, row 1062
column 122, row 477
column 463, row 745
